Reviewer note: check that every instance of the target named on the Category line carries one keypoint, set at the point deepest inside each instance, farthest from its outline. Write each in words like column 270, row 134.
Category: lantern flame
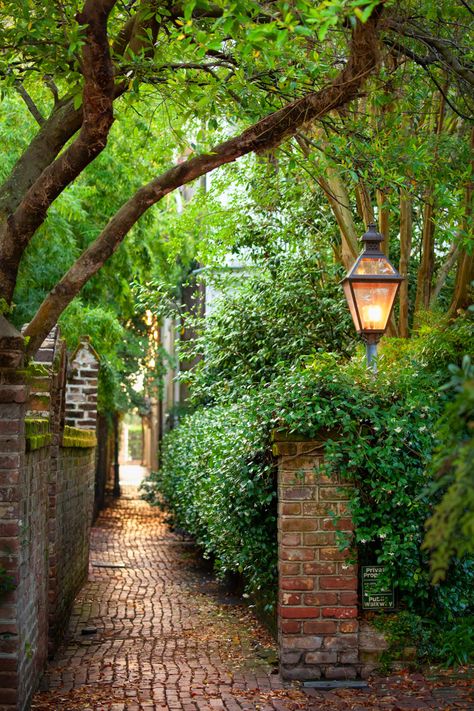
column 373, row 316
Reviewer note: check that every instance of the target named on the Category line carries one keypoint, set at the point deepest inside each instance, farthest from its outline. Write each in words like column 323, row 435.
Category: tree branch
column 49, row 82
column 418, row 59
column 406, row 235
column 32, row 108
column 463, row 2
column 57, row 130
column 436, row 44
column 98, row 95
column 266, row 134
column 464, row 283
column 449, row 263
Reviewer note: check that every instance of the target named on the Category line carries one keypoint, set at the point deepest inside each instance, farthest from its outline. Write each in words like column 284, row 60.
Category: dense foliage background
column 268, row 365
column 107, row 310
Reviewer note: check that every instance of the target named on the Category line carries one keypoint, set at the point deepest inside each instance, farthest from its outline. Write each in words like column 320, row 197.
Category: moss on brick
column 41, row 399
column 37, row 433
column 35, row 370
column 75, row 437
column 283, row 436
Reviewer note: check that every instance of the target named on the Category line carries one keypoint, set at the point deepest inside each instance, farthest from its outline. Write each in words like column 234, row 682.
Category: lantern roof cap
column 372, row 235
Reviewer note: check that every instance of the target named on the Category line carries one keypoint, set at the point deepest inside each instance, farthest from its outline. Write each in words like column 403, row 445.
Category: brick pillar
column 13, row 395
column 81, row 390
column 47, row 400
column 317, row 621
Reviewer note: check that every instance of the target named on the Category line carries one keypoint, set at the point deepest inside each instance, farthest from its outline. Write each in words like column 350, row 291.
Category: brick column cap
column 12, row 345
column 85, row 343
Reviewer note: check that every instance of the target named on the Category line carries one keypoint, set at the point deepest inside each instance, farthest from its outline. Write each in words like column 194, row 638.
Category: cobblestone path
column 150, row 630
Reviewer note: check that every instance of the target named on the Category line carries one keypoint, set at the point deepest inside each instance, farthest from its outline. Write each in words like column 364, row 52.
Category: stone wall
column 46, row 499
column 318, row 620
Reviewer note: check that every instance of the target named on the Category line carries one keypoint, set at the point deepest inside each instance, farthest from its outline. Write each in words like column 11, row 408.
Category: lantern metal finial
column 372, row 238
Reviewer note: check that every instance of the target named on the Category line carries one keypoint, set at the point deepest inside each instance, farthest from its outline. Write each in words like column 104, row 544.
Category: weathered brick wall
column 13, row 394
column 57, row 358
column 74, row 507
column 81, row 389
column 32, row 591
column 72, row 473
column 318, row 620
column 23, row 530
column 46, row 500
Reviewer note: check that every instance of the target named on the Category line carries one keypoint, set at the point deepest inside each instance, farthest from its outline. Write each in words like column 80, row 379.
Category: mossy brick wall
column 24, row 553
column 46, row 499
column 74, row 502
column 32, row 593
column 319, row 626
column 23, row 533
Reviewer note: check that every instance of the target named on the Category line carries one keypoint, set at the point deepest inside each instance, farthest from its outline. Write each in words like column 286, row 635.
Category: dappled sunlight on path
column 152, row 630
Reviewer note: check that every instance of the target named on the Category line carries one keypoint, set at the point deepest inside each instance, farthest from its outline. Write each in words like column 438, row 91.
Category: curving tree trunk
column 384, row 220
column 98, row 94
column 364, row 204
column 405, row 251
column 424, row 284
column 338, row 198
column 53, row 135
column 463, row 295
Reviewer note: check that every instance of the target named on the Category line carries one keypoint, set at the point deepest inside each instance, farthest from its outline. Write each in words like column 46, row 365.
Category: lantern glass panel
column 373, row 266
column 350, row 301
column 374, row 303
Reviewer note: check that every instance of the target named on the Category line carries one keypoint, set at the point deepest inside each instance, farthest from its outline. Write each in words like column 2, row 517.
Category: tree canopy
column 262, row 73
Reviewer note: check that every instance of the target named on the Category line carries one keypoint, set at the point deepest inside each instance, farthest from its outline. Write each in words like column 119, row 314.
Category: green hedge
column 218, row 479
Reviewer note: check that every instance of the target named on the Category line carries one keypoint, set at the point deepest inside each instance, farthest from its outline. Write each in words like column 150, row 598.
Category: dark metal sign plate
column 375, row 595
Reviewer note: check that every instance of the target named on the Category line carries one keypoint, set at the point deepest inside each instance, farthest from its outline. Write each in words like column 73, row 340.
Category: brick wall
column 74, row 507
column 24, row 535
column 318, row 619
column 81, row 389
column 46, row 499
column 73, row 392
column 32, row 591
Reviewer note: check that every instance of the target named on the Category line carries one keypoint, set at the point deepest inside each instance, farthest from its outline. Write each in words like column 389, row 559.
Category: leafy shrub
column 217, row 478
column 406, row 632
column 450, row 530
column 382, row 439
column 284, row 311
column 454, row 645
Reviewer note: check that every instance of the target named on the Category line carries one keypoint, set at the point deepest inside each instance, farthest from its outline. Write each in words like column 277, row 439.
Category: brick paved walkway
column 150, row 630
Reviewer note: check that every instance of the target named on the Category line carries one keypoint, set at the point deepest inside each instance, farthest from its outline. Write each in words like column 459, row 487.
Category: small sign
column 375, row 595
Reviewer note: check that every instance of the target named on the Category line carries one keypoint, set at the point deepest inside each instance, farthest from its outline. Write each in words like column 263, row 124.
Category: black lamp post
column 370, row 288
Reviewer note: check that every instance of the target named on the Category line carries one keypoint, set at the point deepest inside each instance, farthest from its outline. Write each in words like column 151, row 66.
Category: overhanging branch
column 265, row 135
column 438, row 46
column 32, row 108
column 97, row 115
